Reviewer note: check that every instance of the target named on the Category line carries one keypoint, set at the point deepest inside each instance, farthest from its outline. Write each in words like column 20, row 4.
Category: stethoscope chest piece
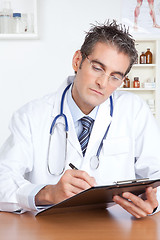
column 94, row 162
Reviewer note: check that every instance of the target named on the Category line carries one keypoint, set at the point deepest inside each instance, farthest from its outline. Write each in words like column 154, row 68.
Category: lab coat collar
column 58, row 95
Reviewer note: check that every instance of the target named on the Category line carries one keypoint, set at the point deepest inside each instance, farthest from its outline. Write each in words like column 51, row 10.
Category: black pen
column 72, row 166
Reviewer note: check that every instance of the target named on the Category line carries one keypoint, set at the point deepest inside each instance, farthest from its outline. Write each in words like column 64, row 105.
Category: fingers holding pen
column 72, row 182
column 83, row 176
column 79, row 179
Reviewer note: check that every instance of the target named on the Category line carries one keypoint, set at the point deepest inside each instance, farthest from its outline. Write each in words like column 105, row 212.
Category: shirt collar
column 76, row 113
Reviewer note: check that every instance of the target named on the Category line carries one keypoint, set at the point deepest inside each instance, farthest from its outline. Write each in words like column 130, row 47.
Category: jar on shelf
column 136, row 82
column 148, row 56
column 142, row 58
column 6, row 18
column 17, row 23
column 126, row 83
column 151, row 104
column 136, row 61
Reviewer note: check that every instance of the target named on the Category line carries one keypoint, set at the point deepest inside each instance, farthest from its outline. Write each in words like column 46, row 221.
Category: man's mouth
column 96, row 91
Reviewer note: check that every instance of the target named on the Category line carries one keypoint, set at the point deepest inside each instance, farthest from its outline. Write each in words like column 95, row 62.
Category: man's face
column 91, row 88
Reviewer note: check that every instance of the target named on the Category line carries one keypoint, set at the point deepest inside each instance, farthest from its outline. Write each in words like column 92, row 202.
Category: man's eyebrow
column 119, row 73
column 104, row 67
column 98, row 62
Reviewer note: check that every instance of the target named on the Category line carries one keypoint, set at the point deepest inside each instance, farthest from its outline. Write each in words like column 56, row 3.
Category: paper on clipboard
column 101, row 196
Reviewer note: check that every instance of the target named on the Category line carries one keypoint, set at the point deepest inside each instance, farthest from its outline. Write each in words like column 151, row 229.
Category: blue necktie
column 83, row 138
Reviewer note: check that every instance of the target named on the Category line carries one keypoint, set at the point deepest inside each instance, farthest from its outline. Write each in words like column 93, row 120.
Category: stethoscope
column 94, row 161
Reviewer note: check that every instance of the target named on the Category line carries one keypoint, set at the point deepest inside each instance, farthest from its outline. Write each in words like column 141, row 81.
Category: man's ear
column 76, row 61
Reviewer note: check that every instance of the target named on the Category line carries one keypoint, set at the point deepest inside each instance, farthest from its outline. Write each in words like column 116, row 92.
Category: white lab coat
column 131, row 149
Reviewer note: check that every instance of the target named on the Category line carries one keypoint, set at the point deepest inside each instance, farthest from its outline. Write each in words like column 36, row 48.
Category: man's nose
column 103, row 80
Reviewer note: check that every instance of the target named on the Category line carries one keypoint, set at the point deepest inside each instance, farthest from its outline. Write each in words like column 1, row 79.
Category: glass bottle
column 6, row 18
column 17, row 23
column 136, row 62
column 30, row 23
column 136, row 82
column 148, row 56
column 126, row 83
column 142, row 59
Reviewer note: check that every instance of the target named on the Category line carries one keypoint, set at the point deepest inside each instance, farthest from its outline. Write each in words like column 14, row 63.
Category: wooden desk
column 97, row 224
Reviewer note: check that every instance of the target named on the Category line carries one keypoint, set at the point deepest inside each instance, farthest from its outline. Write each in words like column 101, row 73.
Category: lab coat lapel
column 103, row 119
column 72, row 136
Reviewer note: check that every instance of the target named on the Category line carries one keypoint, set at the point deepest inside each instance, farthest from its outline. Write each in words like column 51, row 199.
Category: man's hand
column 72, row 182
column 136, row 205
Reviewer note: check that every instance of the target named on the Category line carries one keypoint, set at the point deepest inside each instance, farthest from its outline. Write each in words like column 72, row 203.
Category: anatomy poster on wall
column 142, row 17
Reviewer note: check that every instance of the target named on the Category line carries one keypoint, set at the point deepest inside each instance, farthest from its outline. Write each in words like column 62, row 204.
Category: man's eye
column 114, row 78
column 97, row 68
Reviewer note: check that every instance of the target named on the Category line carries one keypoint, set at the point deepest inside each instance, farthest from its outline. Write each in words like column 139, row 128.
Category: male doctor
column 114, row 125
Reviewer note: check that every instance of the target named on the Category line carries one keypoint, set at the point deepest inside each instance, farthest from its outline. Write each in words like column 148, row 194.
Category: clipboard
column 100, row 196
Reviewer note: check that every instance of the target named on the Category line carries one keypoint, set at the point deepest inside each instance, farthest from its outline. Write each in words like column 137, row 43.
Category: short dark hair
column 112, row 34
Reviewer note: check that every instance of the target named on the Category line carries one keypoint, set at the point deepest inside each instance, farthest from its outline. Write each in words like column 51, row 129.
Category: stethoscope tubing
column 105, row 135
column 61, row 112
column 67, row 128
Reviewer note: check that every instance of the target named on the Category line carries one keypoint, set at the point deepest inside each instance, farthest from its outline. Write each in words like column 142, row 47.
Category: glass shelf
column 28, row 9
column 19, row 36
column 144, row 65
column 137, row 89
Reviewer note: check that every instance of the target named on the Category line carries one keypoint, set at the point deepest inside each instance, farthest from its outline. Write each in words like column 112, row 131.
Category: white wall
column 33, row 68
